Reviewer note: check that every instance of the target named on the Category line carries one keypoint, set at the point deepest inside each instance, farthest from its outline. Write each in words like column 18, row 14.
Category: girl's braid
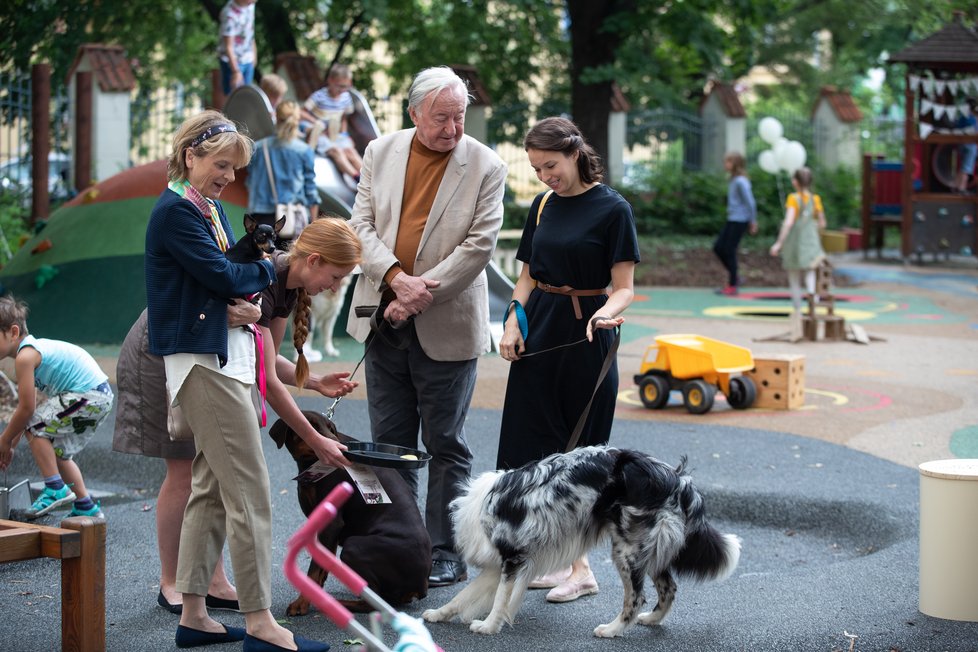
column 300, row 331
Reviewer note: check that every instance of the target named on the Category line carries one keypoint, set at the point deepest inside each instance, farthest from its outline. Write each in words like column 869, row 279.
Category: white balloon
column 778, row 148
column 768, row 162
column 770, row 129
column 793, row 156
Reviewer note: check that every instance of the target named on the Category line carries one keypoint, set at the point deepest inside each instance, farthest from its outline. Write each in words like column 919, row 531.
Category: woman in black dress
column 579, row 238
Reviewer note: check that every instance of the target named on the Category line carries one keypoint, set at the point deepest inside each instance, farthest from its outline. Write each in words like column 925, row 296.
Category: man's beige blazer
column 455, row 247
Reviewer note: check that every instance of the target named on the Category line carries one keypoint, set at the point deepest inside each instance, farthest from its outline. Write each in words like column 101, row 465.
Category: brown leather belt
column 567, row 290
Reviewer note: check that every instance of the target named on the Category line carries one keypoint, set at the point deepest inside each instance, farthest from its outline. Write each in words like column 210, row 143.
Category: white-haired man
column 428, row 210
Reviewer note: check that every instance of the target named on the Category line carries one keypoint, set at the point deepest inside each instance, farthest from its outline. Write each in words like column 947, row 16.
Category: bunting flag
column 926, row 106
column 939, row 110
column 933, row 88
column 925, row 130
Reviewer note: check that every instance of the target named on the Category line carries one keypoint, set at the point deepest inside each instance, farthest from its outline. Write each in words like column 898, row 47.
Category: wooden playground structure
column 916, row 195
column 80, row 545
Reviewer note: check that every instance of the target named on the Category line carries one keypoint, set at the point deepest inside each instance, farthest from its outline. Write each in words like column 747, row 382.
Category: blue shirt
column 741, row 206
column 294, row 170
column 64, row 367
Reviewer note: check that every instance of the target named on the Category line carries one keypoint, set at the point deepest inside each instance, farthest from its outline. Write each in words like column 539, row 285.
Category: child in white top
column 326, row 113
column 236, row 47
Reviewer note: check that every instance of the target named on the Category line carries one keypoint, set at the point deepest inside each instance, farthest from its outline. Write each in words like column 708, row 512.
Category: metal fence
column 15, row 130
column 672, row 136
column 665, row 136
column 155, row 114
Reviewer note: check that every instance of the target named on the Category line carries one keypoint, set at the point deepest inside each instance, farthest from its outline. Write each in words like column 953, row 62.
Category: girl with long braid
column 324, row 253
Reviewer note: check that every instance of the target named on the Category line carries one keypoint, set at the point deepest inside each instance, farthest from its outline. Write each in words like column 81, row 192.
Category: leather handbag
column 296, row 215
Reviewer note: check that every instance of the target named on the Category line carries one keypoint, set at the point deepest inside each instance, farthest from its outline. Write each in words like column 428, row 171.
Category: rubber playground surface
column 825, row 497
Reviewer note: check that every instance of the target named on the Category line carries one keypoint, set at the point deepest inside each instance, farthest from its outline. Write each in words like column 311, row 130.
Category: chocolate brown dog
column 387, row 545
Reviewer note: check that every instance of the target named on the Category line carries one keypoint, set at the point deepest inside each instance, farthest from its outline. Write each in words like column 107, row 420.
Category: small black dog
column 387, row 545
column 258, row 240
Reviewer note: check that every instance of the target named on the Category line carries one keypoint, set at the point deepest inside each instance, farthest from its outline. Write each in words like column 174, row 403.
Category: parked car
column 637, row 176
column 15, row 177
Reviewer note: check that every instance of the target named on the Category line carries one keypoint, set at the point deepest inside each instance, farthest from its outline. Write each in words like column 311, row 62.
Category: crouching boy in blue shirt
column 79, row 399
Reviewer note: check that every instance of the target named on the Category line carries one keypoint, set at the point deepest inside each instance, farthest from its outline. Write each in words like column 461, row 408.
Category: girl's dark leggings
column 726, row 245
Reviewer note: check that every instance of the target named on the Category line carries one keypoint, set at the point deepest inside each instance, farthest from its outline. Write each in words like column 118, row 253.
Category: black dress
column 577, row 242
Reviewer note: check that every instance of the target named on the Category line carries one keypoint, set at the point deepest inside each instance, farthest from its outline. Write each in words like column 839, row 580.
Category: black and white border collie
column 518, row 524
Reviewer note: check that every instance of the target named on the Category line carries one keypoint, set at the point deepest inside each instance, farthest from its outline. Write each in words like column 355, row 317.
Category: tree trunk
column 593, row 47
column 275, row 35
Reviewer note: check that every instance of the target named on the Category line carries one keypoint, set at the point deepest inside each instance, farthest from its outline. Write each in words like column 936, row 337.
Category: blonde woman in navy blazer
column 210, row 371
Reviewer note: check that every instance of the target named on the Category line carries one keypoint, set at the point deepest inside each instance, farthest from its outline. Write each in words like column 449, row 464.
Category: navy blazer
column 189, row 280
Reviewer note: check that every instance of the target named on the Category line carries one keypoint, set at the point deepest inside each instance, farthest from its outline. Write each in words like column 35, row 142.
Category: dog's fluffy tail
column 707, row 553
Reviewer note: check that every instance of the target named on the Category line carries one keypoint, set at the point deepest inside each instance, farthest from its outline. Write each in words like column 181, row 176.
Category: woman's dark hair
column 562, row 135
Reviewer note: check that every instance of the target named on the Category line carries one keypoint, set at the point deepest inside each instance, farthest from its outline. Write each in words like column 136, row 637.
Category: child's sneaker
column 50, row 499
column 94, row 511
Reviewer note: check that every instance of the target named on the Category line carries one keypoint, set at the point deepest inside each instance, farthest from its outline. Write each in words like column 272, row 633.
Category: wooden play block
column 780, row 381
column 823, row 327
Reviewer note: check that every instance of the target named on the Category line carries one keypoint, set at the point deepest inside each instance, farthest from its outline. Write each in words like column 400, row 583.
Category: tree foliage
column 812, row 43
column 165, row 42
column 516, row 46
column 533, row 56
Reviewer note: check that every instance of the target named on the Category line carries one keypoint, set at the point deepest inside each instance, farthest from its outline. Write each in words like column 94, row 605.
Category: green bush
column 841, row 195
column 514, row 215
column 13, row 223
column 672, row 201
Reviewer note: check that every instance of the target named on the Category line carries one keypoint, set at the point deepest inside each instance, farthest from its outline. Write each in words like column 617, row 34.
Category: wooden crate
column 780, row 381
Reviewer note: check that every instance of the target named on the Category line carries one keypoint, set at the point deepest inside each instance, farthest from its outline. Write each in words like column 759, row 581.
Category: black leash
column 378, row 327
column 605, row 366
column 608, row 359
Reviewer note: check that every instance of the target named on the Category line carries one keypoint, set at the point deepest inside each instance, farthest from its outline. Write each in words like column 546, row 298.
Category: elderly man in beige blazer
column 428, row 210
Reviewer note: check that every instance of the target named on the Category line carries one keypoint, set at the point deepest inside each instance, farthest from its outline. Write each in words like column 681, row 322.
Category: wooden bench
column 80, row 545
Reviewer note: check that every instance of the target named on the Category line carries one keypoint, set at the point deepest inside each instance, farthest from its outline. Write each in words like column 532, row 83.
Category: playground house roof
column 954, row 47
column 110, row 67
column 840, row 102
column 480, row 96
column 727, row 96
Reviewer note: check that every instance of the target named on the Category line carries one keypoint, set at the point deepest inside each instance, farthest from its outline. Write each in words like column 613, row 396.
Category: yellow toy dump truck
column 698, row 366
